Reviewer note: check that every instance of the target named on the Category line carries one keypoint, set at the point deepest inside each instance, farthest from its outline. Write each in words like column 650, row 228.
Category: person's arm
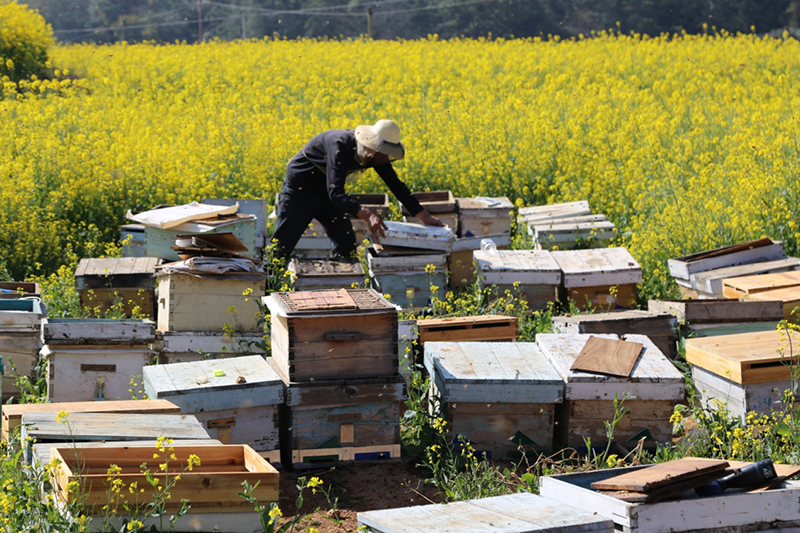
column 401, row 191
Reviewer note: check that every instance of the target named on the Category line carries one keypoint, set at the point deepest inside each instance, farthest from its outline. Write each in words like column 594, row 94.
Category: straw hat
column 383, row 137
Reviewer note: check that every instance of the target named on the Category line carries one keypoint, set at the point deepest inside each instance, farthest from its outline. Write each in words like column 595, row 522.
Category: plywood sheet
column 661, row 475
column 608, row 356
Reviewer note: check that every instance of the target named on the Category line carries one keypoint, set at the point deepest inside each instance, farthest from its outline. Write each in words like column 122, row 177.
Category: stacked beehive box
column 408, row 261
column 654, row 385
column 127, row 283
column 566, row 226
column 461, row 264
column 94, row 358
column 745, row 371
column 700, row 275
column 782, row 286
column 604, row 278
column 20, row 338
column 336, row 351
column 499, row 396
column 235, row 399
column 15, row 290
column 441, row 204
column 315, row 274
column 533, row 275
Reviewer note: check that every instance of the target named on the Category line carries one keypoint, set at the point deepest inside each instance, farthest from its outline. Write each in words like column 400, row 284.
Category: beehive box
column 187, row 346
column 191, row 303
column 213, row 486
column 341, row 420
column 235, row 399
column 701, row 312
column 435, row 202
column 744, row 286
column 98, row 331
column 662, row 328
column 320, row 335
column 12, row 413
column 535, row 271
column 19, row 348
column 739, row 399
column 13, row 290
column 708, row 284
column 416, row 236
column 248, row 206
column 315, row 274
column 544, row 213
column 103, row 284
column 567, row 234
column 468, row 328
column 158, row 242
column 500, row 396
column 769, row 511
column 789, row 298
column 655, row 387
column 483, row 216
column 513, row 513
column 460, row 263
column 21, row 314
column 603, row 277
column 407, row 279
column 131, row 236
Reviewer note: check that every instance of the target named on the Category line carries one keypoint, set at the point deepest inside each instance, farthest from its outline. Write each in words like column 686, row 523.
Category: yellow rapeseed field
column 686, row 143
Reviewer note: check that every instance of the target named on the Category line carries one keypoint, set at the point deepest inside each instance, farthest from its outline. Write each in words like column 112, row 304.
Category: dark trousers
column 295, row 211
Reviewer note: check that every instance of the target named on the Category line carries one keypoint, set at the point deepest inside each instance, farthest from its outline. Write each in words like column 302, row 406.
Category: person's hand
column 375, row 223
column 428, row 219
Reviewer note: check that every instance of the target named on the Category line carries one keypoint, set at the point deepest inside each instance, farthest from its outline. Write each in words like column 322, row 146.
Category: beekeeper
column 314, row 187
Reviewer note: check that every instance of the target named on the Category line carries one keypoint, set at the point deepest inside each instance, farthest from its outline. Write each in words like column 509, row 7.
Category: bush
column 24, row 40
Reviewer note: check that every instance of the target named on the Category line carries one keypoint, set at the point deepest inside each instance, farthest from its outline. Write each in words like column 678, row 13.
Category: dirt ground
column 358, row 487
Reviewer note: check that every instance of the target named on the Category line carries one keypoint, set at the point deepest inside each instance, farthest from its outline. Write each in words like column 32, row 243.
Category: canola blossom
column 685, row 142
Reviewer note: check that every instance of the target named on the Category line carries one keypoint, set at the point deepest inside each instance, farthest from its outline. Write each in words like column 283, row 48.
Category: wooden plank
column 603, row 296
column 719, row 311
column 761, row 398
column 98, row 331
column 788, row 297
column 87, row 426
column 710, row 281
column 528, row 215
column 738, row 254
column 41, row 451
column 468, row 328
column 374, row 424
column 577, row 420
column 322, row 300
column 607, row 356
column 661, row 475
column 434, row 201
column 745, row 358
column 501, row 430
column 598, row 267
column 379, row 261
column 742, row 286
column 415, row 236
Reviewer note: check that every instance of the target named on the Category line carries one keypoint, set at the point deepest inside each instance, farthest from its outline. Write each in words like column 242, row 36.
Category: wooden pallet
column 746, row 357
column 469, row 328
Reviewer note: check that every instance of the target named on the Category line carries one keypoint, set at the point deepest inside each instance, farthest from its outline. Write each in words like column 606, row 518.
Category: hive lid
column 327, row 302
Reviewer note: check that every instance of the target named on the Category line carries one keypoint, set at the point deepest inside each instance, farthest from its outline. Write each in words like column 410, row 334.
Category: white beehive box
column 460, row 261
column 191, row 303
column 761, row 398
column 543, row 213
column 601, row 277
column 655, row 387
column 187, row 346
column 23, row 313
column 513, row 513
column 500, row 396
column 314, row 274
column 235, row 399
column 483, row 216
column 407, row 279
column 405, row 235
column 536, row 272
column 566, row 234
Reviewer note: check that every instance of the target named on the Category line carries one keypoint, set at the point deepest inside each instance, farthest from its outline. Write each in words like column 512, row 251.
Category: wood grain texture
column 661, row 474
column 607, row 356
column 742, row 286
column 711, row 281
column 737, row 254
column 718, row 311
column 597, row 267
column 86, row 426
column 528, row 267
column 788, row 297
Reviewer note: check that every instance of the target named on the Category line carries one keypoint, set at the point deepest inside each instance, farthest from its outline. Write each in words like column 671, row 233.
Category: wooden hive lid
column 598, row 267
column 331, row 301
column 493, row 372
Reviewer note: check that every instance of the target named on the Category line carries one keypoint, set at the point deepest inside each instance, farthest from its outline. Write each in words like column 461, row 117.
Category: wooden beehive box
column 460, row 262
column 483, row 216
column 655, row 385
column 522, row 512
column 19, row 348
column 535, row 272
column 744, row 286
column 131, row 236
column 567, row 234
column 501, row 396
column 129, row 281
column 708, row 284
column 319, row 335
column 662, row 328
column 404, row 235
column 315, row 274
column 738, row 399
column 742, row 512
column 789, row 298
column 13, row 290
column 98, row 331
column 543, row 213
column 248, row 206
column 12, row 413
column 21, row 314
column 441, row 204
column 747, row 358
column 468, row 328
column 407, row 278
column 700, row 312
column 192, row 303
column 213, row 486
column 159, row 242
column 603, row 277
column 343, row 420
column 235, row 399
column 187, row 346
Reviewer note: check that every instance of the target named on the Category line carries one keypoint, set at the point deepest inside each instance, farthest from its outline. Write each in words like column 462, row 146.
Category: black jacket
column 323, row 164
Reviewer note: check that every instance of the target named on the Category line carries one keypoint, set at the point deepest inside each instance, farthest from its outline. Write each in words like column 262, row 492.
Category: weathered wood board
column 515, row 513
column 189, row 303
column 739, row 399
column 662, row 328
column 607, row 356
column 17, row 364
column 598, row 267
column 737, row 254
column 450, row 220
column 530, row 215
column 746, row 358
column 788, row 297
column 434, row 201
column 159, row 242
column 743, row 286
column 324, row 457
column 403, row 234
column 603, row 297
column 40, row 452
column 735, row 512
column 19, row 314
column 116, row 272
column 564, row 232
column 197, row 345
column 326, row 274
column 92, row 372
column 98, row 331
column 12, row 413
column 661, row 474
column 528, row 267
column 468, row 328
column 718, row 312
column 334, row 344
column 247, row 206
column 379, row 261
column 710, row 282
column 483, row 216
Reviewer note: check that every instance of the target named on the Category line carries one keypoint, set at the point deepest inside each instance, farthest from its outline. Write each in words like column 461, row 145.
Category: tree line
column 104, row 21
